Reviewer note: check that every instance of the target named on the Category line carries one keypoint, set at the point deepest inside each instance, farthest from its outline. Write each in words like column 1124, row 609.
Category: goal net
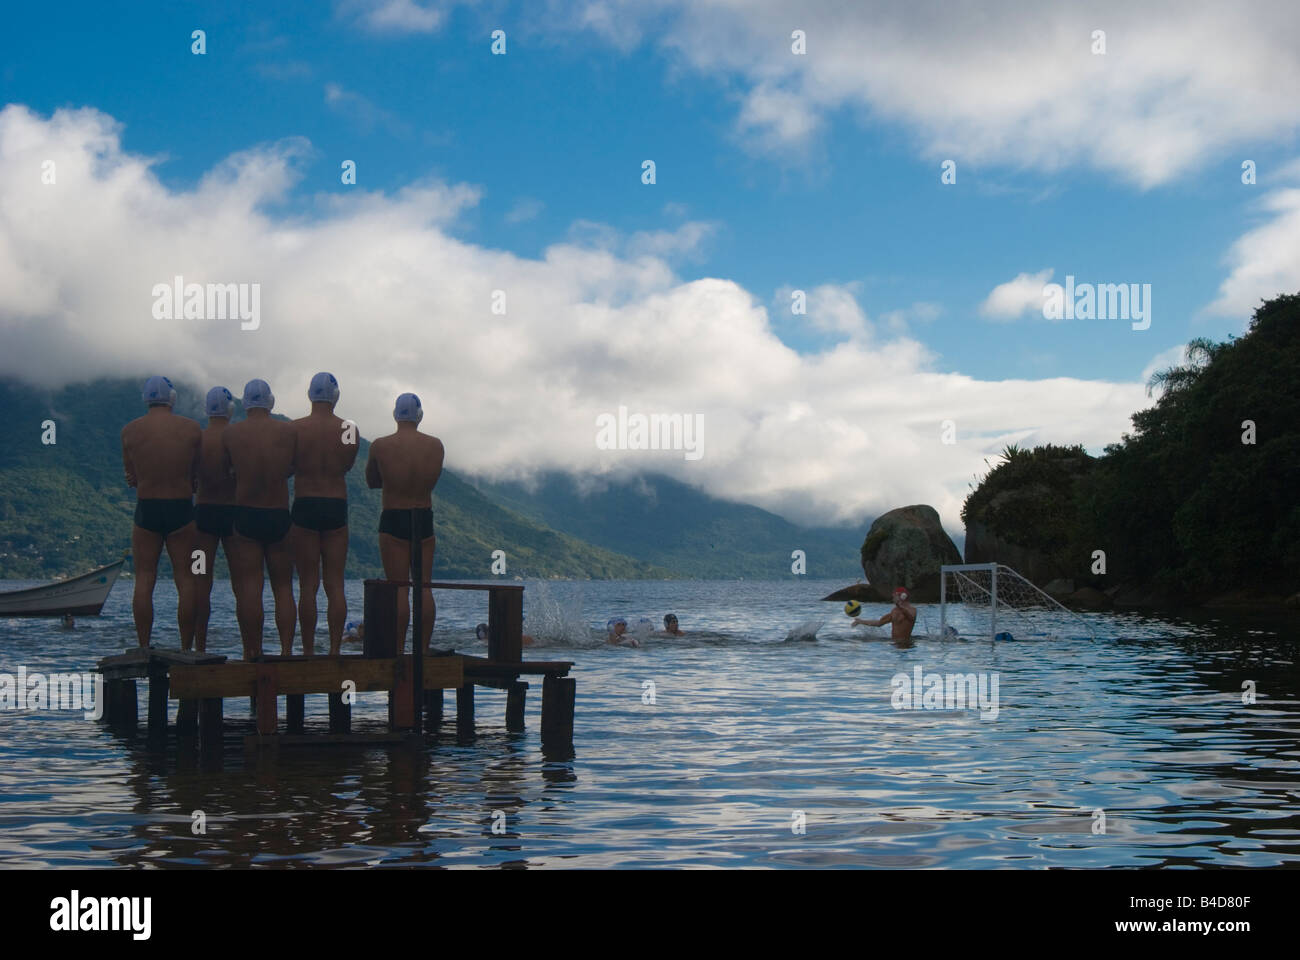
column 985, row 599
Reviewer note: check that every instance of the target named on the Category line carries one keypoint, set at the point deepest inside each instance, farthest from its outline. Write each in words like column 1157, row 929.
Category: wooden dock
column 202, row 682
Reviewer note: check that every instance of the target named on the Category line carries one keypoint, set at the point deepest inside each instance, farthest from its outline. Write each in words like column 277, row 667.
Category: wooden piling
column 558, row 697
column 266, row 701
column 340, row 714
column 187, row 718
column 157, row 723
column 210, row 723
column 432, row 710
column 121, row 707
column 295, row 712
column 516, row 692
column 401, row 697
column 465, row 709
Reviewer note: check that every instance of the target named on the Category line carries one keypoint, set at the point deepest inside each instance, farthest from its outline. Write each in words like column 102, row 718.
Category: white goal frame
column 993, row 570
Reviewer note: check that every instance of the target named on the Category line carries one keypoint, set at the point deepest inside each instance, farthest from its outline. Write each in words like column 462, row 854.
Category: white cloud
column 1011, row 82
column 1264, row 261
column 396, row 16
column 1015, row 298
column 525, row 209
column 361, row 110
column 1173, row 357
column 377, row 289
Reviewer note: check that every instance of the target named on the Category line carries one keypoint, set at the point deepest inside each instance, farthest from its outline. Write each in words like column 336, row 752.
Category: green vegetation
column 1195, row 501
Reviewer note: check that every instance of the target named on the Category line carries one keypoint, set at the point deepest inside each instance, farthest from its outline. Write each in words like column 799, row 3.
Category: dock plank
column 309, row 675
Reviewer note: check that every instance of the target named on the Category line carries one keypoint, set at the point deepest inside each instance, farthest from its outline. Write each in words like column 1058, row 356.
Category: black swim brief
column 320, row 513
column 215, row 519
column 266, row 526
column 397, row 523
column 163, row 517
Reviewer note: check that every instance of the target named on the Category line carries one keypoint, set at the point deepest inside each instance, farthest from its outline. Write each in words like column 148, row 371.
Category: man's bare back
column 261, row 452
column 407, row 465
column 160, row 454
column 216, row 485
column 326, row 450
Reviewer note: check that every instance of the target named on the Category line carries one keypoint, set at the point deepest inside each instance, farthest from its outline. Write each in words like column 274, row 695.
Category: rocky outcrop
column 985, row 546
column 905, row 548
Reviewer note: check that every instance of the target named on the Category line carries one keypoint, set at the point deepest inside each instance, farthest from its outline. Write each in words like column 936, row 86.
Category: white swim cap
column 220, row 402
column 408, row 408
column 324, row 389
column 158, row 391
column 257, row 393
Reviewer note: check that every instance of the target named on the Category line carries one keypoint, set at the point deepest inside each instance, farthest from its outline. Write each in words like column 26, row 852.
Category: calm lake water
column 747, row 732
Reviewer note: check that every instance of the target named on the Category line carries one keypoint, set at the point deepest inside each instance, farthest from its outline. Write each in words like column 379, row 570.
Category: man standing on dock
column 214, row 509
column 406, row 464
column 327, row 449
column 261, row 453
column 160, row 454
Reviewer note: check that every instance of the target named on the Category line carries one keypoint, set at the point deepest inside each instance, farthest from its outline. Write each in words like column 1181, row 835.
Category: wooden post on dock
column 187, row 718
column 401, row 696
column 340, row 714
column 295, row 712
column 432, row 709
column 121, row 708
column 266, row 700
column 515, row 694
column 417, row 633
column 210, row 723
column 505, row 625
column 465, row 709
column 157, row 698
column 558, row 697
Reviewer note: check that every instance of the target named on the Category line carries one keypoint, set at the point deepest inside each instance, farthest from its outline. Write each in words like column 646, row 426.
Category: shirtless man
column 214, row 507
column 327, row 448
column 160, row 454
column 902, row 617
column 260, row 452
column 406, row 464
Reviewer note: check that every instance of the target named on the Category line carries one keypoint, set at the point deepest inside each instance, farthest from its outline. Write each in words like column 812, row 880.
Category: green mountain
column 668, row 523
column 65, row 506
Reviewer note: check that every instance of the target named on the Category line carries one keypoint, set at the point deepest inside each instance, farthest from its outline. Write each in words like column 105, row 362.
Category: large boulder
column 905, row 548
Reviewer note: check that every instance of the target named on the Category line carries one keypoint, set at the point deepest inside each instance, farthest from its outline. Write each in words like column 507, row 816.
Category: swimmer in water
column 670, row 625
column 902, row 617
column 617, row 634
column 354, row 632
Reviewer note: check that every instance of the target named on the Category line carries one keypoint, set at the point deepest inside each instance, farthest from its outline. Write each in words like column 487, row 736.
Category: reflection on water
column 745, row 732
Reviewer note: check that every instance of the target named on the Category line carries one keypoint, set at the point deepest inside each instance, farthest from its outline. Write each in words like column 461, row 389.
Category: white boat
column 83, row 595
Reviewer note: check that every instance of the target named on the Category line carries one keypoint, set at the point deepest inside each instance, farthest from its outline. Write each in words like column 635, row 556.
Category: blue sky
column 553, row 135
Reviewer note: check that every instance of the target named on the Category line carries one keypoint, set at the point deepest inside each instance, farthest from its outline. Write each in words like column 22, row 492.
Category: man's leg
column 179, row 545
column 396, row 556
column 245, row 559
column 306, row 546
column 334, row 558
column 146, row 548
column 428, row 610
column 207, row 544
column 279, row 566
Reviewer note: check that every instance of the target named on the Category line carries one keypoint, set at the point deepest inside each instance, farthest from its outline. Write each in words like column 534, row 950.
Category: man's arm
column 197, row 462
column 127, row 466
column 373, row 479
column 227, row 464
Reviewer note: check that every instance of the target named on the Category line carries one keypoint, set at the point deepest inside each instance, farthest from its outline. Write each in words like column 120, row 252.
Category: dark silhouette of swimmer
column 214, row 507
column 160, row 454
column 406, row 465
column 327, row 449
column 261, row 452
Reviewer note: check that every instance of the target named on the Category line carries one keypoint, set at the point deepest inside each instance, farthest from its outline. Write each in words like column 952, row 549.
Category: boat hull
column 80, row 596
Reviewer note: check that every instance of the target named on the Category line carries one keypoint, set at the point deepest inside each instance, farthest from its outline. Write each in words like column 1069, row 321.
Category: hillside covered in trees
column 1199, row 501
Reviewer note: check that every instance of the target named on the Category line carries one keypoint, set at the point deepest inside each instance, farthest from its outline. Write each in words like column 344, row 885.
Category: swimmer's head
column 220, row 403
column 670, row 621
column 481, row 631
column 408, row 408
column 900, row 594
column 158, row 392
column 614, row 623
column 324, row 389
column 257, row 393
